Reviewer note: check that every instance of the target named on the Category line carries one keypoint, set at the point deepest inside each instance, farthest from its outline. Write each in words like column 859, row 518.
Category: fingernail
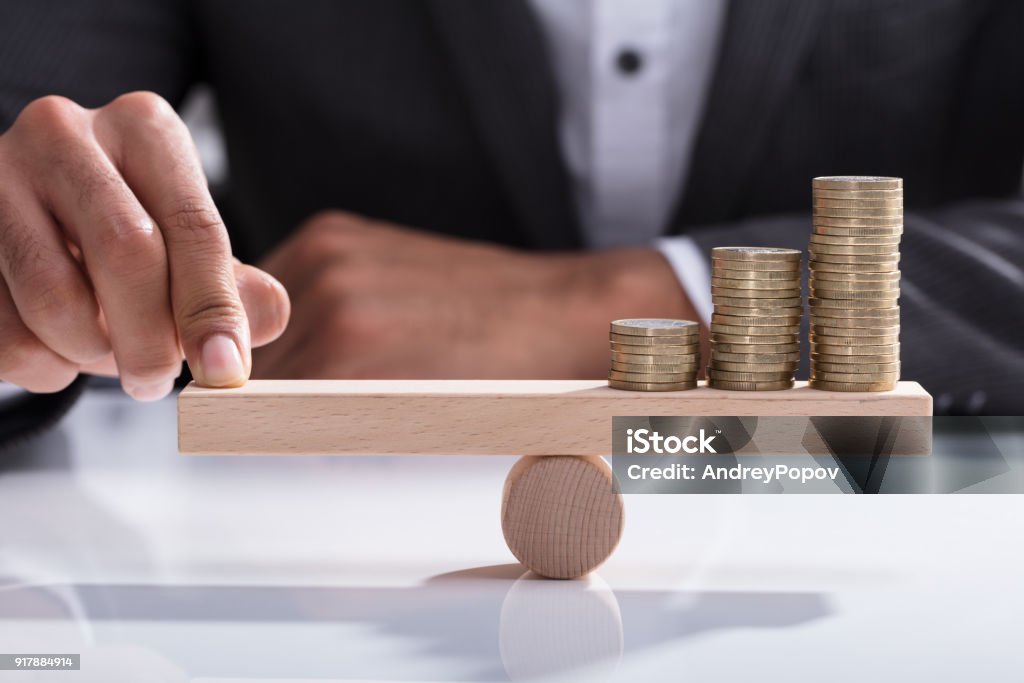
column 220, row 363
column 150, row 392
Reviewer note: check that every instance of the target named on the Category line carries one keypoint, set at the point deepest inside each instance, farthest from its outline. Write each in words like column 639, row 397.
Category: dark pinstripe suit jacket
column 442, row 114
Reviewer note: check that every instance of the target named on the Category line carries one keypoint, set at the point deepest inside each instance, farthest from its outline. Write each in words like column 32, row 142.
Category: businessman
column 473, row 189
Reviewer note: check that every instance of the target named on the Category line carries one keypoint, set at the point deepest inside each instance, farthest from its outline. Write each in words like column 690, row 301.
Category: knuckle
column 143, row 107
column 52, row 113
column 333, row 228
column 333, row 286
column 196, row 218
column 212, row 311
column 351, row 325
column 126, row 234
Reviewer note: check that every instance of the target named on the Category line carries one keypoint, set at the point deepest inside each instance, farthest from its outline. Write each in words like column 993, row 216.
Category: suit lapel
column 497, row 54
column 761, row 53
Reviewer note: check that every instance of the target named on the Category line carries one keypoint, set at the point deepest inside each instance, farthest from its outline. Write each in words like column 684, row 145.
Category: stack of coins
column 654, row 354
column 855, row 283
column 755, row 326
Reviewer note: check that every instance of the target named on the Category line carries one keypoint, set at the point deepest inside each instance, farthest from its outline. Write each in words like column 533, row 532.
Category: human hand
column 114, row 258
column 374, row 300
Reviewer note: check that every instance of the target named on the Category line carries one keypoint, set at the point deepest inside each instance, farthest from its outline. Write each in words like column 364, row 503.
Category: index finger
column 156, row 156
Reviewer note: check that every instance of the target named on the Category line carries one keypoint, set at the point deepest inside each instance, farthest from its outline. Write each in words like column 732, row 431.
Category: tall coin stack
column 654, row 354
column 855, row 283
column 755, row 326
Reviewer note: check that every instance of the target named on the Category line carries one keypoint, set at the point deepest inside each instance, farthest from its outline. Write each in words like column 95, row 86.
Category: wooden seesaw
column 560, row 513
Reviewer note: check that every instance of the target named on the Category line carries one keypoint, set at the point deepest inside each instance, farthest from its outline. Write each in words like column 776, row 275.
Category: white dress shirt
column 633, row 77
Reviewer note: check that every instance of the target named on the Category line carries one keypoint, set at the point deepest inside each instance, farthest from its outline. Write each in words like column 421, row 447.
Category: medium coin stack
column 654, row 354
column 755, row 326
column 855, row 283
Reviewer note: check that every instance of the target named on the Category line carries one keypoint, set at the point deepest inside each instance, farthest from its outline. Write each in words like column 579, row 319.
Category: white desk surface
column 237, row 569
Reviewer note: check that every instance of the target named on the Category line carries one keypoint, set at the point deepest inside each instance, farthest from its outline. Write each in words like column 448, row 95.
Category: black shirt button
column 629, row 61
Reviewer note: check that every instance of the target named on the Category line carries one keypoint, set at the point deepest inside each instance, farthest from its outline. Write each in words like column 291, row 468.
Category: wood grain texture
column 474, row 417
column 561, row 515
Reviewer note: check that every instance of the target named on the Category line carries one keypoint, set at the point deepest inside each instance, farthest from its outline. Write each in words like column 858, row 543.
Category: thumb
column 266, row 303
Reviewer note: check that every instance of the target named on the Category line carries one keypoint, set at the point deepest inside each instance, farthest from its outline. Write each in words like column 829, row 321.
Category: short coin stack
column 654, row 354
column 755, row 326
column 855, row 283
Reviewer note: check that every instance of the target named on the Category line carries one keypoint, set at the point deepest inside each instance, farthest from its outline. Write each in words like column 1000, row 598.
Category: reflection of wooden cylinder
column 553, row 628
column 561, row 514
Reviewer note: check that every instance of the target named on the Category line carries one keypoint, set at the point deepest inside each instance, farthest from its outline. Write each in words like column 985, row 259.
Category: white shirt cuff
column 691, row 268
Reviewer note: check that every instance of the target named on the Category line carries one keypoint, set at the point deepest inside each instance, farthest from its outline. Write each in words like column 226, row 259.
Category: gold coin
column 756, row 321
column 771, row 275
column 867, row 332
column 724, row 338
column 688, row 368
column 749, row 386
column 790, row 285
column 850, row 304
column 893, row 277
column 825, row 267
column 887, row 350
column 650, row 359
column 891, row 313
column 883, row 368
column 889, row 259
column 663, row 340
column 782, row 313
column 655, row 377
column 652, row 386
column 730, row 376
column 737, row 302
column 655, row 350
column 828, row 229
column 655, row 327
column 734, row 293
column 816, row 240
column 858, row 377
column 855, row 323
column 877, row 340
column 758, row 266
column 755, row 254
column 753, row 349
column 849, row 268
column 876, row 226
column 859, row 285
column 876, row 360
column 822, row 385
column 788, row 368
column 754, row 330
column 889, row 287
column 890, row 214
column 854, row 250
column 856, row 294
column 746, row 358
column 847, row 203
column 857, row 195
column 855, row 182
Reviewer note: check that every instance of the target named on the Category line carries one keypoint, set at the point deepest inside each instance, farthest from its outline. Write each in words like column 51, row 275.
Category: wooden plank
column 475, row 417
